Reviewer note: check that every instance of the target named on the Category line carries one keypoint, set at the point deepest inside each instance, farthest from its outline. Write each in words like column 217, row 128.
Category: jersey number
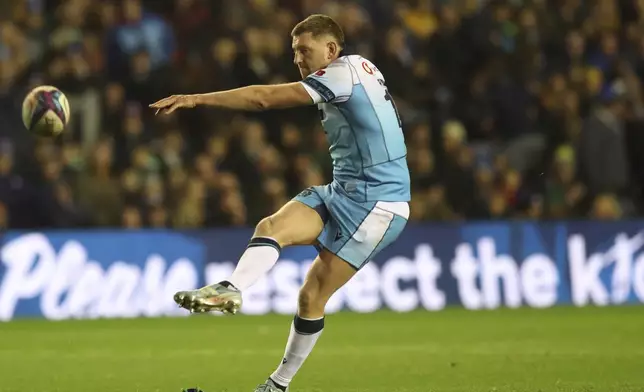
column 391, row 100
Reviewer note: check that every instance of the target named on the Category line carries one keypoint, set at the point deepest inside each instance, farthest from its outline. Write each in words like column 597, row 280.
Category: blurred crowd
column 512, row 109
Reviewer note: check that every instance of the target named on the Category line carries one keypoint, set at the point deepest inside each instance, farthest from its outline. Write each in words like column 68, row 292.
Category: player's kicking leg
column 294, row 224
column 328, row 273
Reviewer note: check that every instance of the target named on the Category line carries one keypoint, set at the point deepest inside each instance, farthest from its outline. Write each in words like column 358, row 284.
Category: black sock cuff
column 228, row 285
column 264, row 241
column 307, row 327
column 278, row 385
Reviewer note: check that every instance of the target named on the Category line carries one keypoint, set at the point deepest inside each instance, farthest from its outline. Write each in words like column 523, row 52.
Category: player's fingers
column 161, row 107
column 172, row 108
column 157, row 103
column 163, row 102
column 160, row 104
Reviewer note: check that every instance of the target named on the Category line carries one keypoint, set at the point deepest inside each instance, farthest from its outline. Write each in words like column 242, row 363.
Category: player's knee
column 265, row 227
column 270, row 227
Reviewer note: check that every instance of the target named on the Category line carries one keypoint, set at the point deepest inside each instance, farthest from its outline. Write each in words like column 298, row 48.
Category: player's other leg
column 328, row 273
column 295, row 223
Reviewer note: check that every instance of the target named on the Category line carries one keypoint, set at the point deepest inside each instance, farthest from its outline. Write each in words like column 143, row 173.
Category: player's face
column 312, row 54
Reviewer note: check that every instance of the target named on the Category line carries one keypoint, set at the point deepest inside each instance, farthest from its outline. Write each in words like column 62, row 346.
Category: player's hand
column 174, row 102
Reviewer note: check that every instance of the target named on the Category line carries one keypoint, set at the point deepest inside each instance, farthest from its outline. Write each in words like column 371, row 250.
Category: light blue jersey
column 363, row 129
column 365, row 208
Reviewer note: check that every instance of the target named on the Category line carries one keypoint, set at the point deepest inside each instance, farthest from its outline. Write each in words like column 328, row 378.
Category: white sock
column 304, row 334
column 260, row 256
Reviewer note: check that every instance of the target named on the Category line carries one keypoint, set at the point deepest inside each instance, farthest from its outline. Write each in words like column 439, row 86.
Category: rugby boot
column 269, row 386
column 215, row 297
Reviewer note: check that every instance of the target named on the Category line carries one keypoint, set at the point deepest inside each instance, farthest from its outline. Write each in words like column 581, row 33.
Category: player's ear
column 333, row 49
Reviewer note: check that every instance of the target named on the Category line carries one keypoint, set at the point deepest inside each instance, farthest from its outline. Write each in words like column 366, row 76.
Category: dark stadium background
column 524, row 122
column 508, row 109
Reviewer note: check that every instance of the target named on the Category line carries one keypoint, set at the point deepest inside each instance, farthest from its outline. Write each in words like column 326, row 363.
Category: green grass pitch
column 558, row 349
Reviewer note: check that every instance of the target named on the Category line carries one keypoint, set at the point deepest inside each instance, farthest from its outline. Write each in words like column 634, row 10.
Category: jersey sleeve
column 331, row 84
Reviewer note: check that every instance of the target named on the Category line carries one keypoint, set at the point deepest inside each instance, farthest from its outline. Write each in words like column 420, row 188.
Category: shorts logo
column 306, row 192
column 338, row 235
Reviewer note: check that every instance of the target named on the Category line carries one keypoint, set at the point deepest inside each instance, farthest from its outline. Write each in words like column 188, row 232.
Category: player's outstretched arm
column 251, row 98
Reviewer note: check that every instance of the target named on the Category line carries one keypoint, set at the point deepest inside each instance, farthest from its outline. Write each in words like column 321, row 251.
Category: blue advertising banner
column 90, row 274
column 63, row 275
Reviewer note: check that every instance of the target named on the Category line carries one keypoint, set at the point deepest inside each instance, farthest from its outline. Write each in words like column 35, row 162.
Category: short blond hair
column 319, row 24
